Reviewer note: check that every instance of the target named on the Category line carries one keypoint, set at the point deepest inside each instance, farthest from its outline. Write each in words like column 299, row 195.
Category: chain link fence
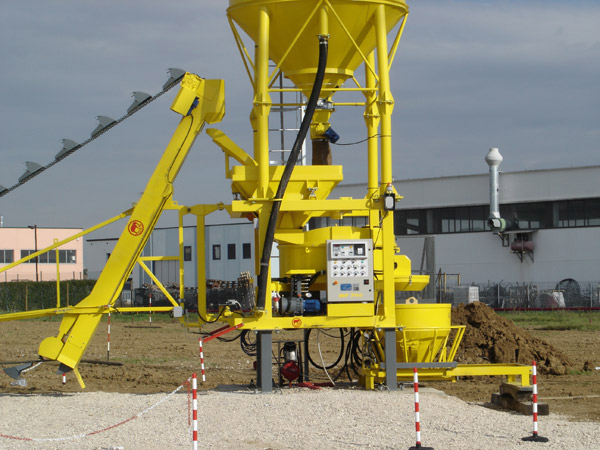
column 566, row 293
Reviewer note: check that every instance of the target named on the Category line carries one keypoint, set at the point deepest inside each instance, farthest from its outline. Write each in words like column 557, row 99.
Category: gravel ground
column 288, row 419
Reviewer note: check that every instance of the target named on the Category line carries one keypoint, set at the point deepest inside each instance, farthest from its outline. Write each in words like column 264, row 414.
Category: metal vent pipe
column 493, row 160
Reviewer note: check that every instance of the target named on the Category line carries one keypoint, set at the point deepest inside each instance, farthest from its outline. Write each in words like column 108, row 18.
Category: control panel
column 350, row 271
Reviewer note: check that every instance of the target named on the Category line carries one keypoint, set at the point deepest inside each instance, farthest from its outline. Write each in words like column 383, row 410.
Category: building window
column 7, row 256
column 578, row 213
column 25, row 253
column 410, row 221
column 230, row 251
column 216, row 252
column 246, row 250
column 64, row 256
column 48, row 257
column 67, row 256
column 187, row 253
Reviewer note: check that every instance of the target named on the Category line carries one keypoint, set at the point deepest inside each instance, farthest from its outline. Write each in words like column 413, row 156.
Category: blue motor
column 311, row 306
column 297, row 306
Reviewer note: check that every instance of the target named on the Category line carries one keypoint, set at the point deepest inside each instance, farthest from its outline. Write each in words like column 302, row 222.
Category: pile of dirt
column 490, row 338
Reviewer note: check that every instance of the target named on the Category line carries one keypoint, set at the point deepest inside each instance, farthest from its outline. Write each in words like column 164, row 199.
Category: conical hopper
column 295, row 25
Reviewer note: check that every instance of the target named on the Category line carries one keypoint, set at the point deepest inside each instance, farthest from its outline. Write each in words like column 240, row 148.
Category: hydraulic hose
column 287, row 173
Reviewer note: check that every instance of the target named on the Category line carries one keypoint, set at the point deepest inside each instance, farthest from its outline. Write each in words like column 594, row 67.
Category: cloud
column 468, row 75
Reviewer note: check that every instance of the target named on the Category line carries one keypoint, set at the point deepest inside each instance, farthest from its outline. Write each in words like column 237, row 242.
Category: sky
column 468, row 75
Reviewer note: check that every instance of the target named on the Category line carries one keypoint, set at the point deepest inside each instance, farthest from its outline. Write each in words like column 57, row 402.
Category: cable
column 230, row 339
column 287, row 173
column 321, row 356
column 210, row 321
column 248, row 347
column 361, row 141
column 339, row 357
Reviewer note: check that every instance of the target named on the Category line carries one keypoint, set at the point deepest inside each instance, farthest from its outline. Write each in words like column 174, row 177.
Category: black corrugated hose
column 287, row 173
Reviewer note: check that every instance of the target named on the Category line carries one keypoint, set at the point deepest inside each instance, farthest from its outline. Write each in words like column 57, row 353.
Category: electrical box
column 350, row 271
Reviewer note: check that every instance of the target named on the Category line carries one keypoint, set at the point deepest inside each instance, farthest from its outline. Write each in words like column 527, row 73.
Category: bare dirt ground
column 158, row 358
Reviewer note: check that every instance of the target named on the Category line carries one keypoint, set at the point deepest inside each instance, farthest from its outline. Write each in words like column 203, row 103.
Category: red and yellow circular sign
column 135, row 227
column 296, row 322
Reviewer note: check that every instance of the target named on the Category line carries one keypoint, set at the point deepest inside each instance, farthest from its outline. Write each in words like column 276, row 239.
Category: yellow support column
column 182, row 212
column 262, row 103
column 57, row 276
column 386, row 106
column 386, row 100
column 372, row 122
column 262, row 108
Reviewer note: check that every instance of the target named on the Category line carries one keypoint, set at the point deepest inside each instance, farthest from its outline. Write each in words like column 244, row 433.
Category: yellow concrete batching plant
column 329, row 277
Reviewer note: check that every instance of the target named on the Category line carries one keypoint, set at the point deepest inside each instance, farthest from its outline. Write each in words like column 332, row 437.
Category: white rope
column 32, row 367
column 322, row 361
column 91, row 433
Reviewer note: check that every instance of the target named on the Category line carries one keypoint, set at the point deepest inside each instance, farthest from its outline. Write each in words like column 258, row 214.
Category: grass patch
column 581, row 372
column 555, row 320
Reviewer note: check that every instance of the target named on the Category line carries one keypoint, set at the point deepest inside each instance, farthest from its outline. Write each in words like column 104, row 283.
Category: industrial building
column 442, row 225
column 17, row 243
column 229, row 251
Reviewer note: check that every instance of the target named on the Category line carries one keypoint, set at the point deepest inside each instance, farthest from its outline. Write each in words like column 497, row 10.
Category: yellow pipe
column 57, row 276
column 182, row 212
column 396, row 42
column 201, row 240
column 262, row 103
column 372, row 122
column 323, row 22
column 386, row 101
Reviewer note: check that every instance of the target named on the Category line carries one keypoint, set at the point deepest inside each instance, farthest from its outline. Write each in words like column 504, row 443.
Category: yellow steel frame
column 515, row 373
column 375, row 373
column 257, row 181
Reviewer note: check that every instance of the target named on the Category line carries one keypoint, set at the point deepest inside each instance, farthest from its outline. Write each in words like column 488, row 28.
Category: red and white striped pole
column 535, row 436
column 417, row 412
column 108, row 340
column 64, row 378
column 201, row 359
column 150, row 304
column 195, row 412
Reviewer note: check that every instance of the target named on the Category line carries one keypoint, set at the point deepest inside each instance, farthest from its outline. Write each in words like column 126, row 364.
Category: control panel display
column 350, row 271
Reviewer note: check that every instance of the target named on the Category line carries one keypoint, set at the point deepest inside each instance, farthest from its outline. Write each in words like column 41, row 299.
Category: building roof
column 515, row 187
